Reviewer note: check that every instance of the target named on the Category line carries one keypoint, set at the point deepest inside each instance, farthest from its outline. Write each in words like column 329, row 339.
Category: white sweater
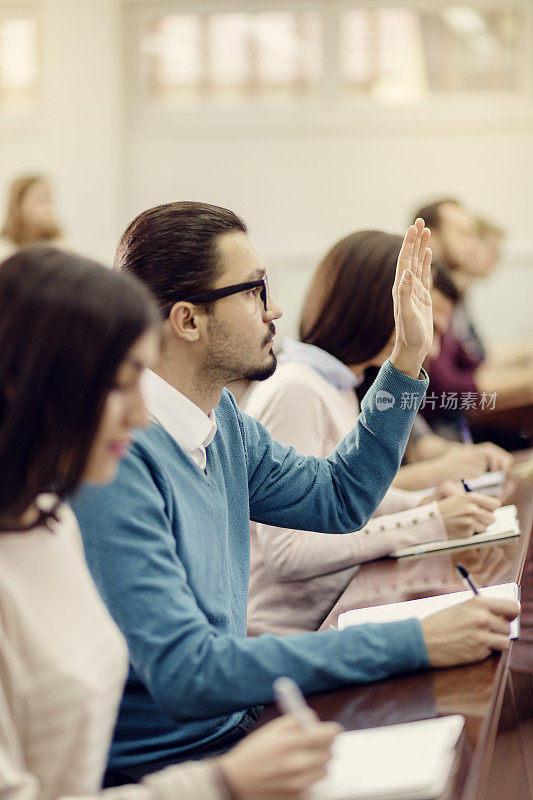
column 296, row 577
column 63, row 663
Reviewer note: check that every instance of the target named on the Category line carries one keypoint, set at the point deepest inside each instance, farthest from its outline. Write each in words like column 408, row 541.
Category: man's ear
column 186, row 321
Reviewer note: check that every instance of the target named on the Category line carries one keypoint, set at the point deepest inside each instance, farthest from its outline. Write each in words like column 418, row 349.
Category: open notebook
column 392, row 612
column 505, row 526
column 411, row 761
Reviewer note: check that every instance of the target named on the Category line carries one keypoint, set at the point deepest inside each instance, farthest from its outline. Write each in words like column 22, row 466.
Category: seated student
column 429, row 458
column 74, row 339
column 460, row 371
column 517, row 353
column 168, row 542
column 30, row 216
column 310, row 403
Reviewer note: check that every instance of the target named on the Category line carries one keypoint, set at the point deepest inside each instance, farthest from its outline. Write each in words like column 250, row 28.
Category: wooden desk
column 495, row 758
column 510, row 417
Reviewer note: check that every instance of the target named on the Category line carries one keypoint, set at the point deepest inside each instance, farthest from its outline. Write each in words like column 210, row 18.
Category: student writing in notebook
column 74, row 339
column 168, row 541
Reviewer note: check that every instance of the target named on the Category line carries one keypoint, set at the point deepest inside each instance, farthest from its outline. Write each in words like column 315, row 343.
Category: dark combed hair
column 348, row 311
column 173, row 248
column 65, row 326
column 443, row 282
column 430, row 213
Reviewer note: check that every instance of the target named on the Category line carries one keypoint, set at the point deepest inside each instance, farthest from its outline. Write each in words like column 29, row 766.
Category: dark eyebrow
column 257, row 274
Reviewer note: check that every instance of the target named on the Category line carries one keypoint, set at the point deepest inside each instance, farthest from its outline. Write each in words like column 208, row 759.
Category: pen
column 465, row 485
column 291, row 701
column 467, row 578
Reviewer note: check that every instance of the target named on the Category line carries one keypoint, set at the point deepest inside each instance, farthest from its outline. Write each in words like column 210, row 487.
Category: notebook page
column 506, row 520
column 418, row 757
column 423, row 607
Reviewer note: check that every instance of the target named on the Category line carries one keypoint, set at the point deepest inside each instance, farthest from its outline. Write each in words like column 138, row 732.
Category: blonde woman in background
column 30, row 216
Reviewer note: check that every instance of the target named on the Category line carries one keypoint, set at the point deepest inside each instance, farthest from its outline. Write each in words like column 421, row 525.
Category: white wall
column 299, row 182
column 76, row 138
column 300, row 193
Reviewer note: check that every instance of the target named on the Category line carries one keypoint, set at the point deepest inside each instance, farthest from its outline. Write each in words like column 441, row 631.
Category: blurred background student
column 347, row 326
column 30, row 216
column 470, row 249
column 74, row 341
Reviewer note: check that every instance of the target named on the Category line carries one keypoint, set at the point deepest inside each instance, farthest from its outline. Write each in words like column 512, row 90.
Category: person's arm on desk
column 458, row 460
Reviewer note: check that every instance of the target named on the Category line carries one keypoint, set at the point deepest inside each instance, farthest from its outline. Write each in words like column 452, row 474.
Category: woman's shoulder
column 58, row 524
column 292, row 380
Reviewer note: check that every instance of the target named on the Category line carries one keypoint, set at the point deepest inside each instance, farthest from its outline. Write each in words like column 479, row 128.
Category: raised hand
column 413, row 314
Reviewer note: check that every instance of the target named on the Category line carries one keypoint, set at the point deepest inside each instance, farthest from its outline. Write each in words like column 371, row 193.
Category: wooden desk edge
column 479, row 771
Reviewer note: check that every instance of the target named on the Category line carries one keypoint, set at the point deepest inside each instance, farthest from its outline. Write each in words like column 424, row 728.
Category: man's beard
column 264, row 372
column 222, row 365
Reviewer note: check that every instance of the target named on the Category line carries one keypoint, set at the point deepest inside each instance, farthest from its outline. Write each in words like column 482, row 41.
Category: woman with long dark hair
column 74, row 340
column 347, row 326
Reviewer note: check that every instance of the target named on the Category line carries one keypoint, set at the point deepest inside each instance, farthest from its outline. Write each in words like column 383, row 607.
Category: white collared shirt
column 188, row 425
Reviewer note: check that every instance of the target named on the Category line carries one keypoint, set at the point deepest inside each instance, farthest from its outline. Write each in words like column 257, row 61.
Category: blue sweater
column 168, row 547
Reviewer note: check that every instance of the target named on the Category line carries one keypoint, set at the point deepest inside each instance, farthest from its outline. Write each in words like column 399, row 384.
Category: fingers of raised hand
column 420, row 248
column 426, row 268
column 405, row 257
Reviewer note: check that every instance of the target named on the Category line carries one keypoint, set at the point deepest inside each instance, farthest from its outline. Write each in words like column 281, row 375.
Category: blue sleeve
column 191, row 670
column 339, row 493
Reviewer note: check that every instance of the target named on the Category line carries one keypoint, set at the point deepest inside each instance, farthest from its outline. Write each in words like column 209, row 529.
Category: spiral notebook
column 411, row 761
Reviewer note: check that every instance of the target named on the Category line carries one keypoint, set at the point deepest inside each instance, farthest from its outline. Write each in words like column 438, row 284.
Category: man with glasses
column 168, row 541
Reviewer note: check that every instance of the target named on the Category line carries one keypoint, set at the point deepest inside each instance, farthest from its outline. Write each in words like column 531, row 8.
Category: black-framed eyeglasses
column 226, row 291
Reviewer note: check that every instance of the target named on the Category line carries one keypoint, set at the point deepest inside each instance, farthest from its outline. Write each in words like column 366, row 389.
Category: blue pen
column 465, row 485
column 467, row 578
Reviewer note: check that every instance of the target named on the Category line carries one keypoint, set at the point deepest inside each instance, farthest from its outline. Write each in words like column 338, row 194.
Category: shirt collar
column 188, row 425
column 329, row 367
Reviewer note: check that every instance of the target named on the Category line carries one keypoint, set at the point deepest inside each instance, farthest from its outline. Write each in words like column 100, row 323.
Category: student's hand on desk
column 468, row 632
column 413, row 313
column 470, row 461
column 467, row 513
column 280, row 761
column 496, row 458
column 444, row 490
